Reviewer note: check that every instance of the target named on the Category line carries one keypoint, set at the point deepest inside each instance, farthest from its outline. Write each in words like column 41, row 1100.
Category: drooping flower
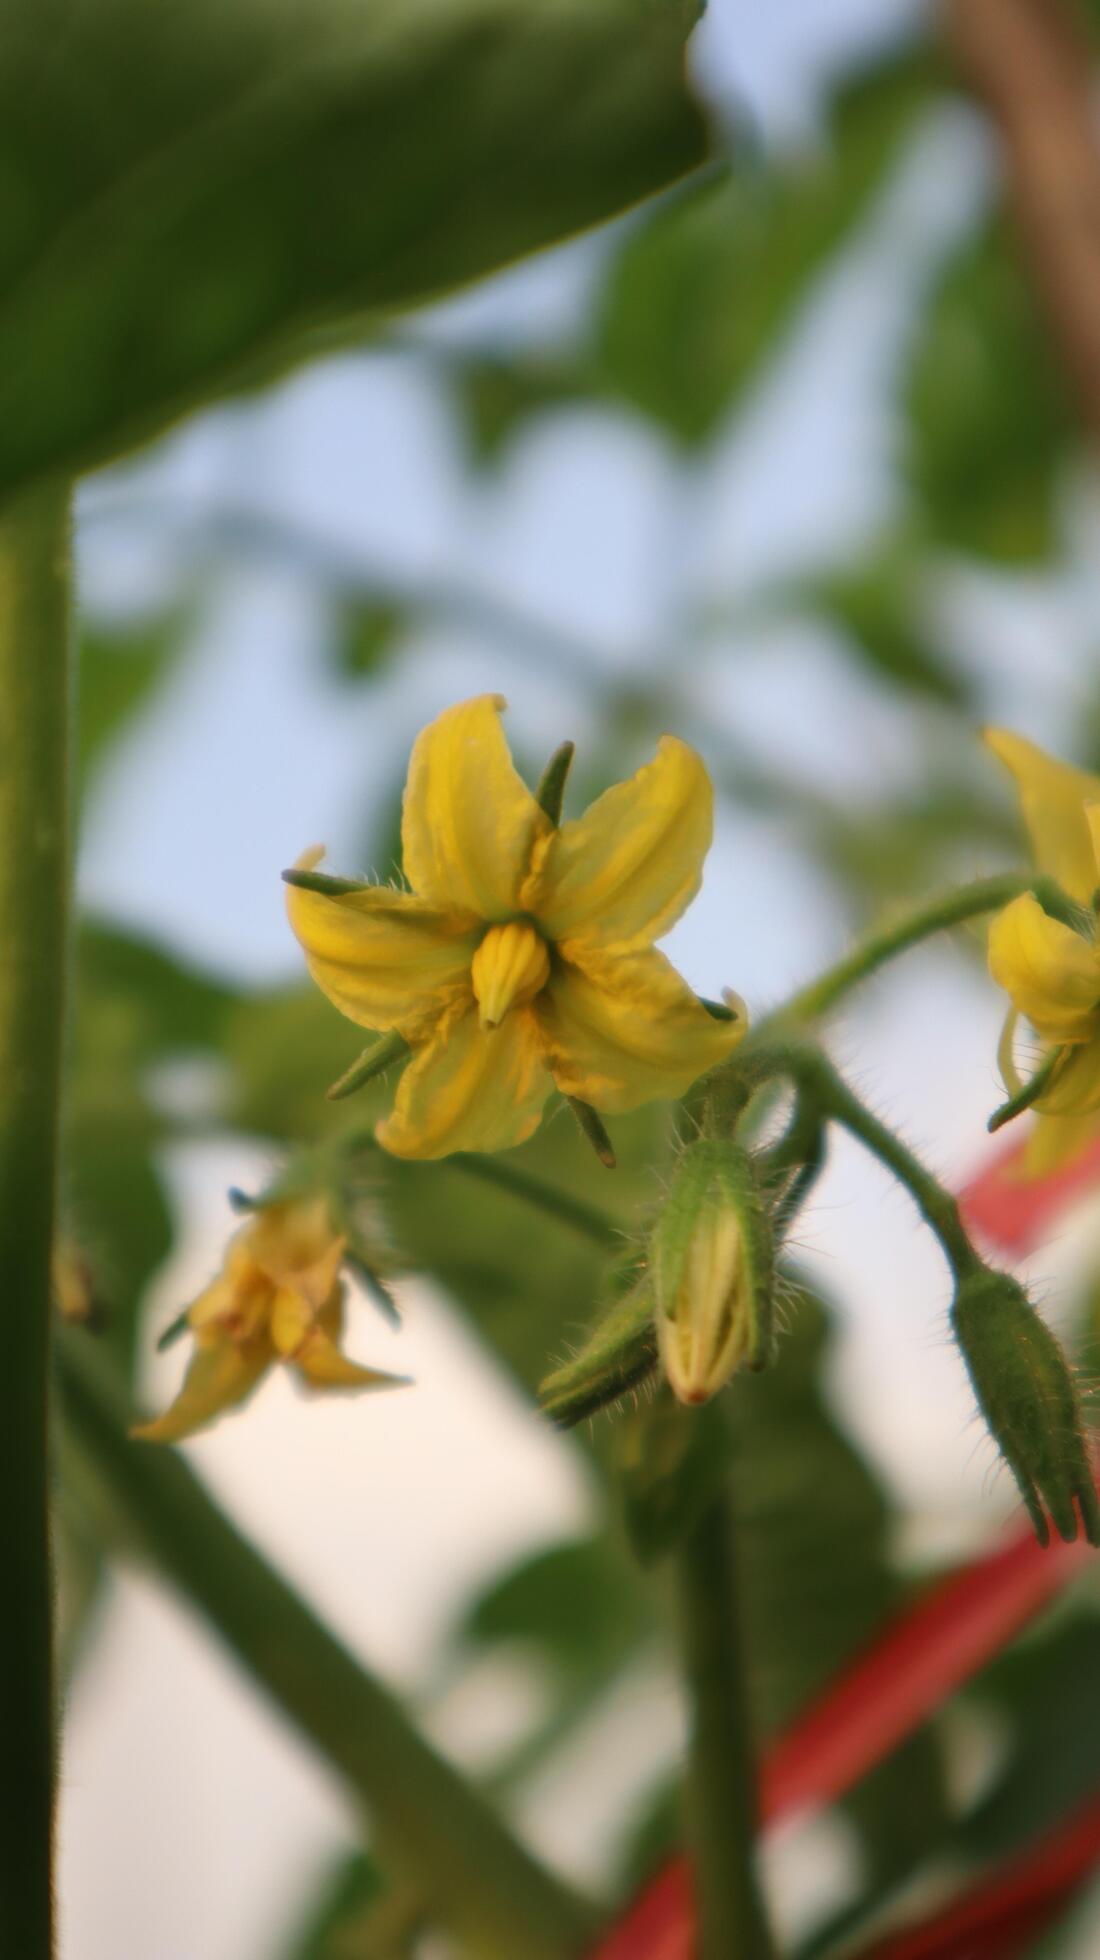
column 1050, row 971
column 522, row 958
column 278, row 1297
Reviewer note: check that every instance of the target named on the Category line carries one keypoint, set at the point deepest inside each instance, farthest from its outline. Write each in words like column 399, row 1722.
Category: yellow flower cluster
column 522, row 958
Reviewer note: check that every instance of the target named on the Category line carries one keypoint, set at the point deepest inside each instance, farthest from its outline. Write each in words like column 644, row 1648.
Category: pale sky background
column 191, row 1821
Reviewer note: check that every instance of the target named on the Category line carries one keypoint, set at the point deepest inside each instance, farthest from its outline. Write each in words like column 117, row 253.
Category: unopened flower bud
column 712, row 1271
column 1025, row 1391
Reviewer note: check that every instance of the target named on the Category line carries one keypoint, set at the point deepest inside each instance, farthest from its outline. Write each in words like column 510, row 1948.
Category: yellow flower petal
column 622, row 874
column 621, row 1029
column 1050, row 973
column 468, row 822
column 469, row 1088
column 220, row 1375
column 1055, row 1141
column 1075, row 1086
column 385, row 959
column 322, row 1364
column 1053, row 796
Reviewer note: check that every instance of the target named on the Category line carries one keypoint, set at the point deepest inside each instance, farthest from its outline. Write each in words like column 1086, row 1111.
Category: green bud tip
column 713, row 1271
column 1026, row 1393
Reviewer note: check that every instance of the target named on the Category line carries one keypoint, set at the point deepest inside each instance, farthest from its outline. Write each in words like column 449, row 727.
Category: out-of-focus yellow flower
column 1050, row 972
column 523, row 956
column 278, row 1297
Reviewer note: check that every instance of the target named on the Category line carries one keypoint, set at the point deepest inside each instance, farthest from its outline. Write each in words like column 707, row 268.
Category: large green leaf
column 186, row 193
column 701, row 295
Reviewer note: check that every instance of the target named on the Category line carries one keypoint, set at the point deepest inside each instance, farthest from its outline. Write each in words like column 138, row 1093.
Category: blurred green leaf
column 187, row 194
column 989, row 424
column 876, row 606
column 1048, row 1691
column 366, row 634
column 578, row 1604
column 498, row 394
column 701, row 295
column 117, row 674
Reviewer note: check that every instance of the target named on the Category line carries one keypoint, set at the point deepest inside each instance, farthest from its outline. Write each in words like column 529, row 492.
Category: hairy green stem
column 436, row 1831
column 35, row 678
column 823, row 1087
column 721, row 1784
column 952, row 908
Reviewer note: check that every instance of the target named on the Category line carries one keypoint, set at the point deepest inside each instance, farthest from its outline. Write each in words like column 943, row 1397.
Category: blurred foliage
column 701, row 297
column 988, row 416
column 223, row 271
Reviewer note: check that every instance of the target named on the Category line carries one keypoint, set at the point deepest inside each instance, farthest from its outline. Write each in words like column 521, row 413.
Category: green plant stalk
column 721, row 1782
column 35, row 678
column 823, row 1089
column 435, row 1831
column 952, row 908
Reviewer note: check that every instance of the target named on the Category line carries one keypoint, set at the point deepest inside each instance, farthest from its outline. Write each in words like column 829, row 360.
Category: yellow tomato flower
column 1050, row 972
column 278, row 1297
column 522, row 958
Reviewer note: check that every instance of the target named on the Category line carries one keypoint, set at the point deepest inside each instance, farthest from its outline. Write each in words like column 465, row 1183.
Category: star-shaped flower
column 522, row 958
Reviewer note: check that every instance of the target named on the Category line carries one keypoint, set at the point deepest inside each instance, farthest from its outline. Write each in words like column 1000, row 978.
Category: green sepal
column 373, row 1061
column 1027, row 1395
column 323, row 883
column 620, row 1352
column 592, row 1129
column 1029, row 1093
column 551, row 784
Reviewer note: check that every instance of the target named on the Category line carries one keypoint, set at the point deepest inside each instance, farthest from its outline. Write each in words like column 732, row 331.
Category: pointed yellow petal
column 468, row 823
column 1053, row 796
column 292, row 1321
column 219, row 1377
column 385, row 959
column 469, row 1088
column 622, row 1029
column 1049, row 972
column 622, row 874
column 323, row 1365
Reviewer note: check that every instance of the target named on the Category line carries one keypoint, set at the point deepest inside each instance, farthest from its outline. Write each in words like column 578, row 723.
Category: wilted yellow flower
column 523, row 956
column 1050, row 972
column 278, row 1297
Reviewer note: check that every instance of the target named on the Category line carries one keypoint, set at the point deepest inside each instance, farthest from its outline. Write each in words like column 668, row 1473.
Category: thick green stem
column 952, row 908
column 34, row 853
column 436, row 1832
column 721, row 1786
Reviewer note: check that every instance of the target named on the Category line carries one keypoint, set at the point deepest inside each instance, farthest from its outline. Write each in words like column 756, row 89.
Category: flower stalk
column 34, row 861
column 722, row 1783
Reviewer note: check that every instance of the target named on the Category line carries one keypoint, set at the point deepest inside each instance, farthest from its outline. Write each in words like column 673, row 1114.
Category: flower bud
column 1026, row 1394
column 712, row 1271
